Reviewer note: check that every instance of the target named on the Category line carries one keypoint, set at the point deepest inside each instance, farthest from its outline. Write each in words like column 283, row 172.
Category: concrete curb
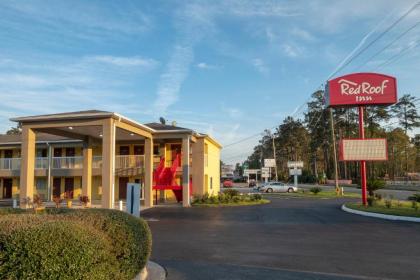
column 152, row 271
column 381, row 216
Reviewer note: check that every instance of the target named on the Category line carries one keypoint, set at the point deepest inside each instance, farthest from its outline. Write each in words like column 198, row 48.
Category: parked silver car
column 277, row 187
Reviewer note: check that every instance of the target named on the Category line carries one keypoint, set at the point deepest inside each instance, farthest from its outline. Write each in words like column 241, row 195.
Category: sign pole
column 363, row 162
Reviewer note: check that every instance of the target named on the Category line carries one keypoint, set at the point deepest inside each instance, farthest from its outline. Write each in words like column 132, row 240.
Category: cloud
column 291, row 50
column 203, row 65
column 125, row 61
column 192, row 22
column 75, row 19
column 260, row 65
column 302, row 34
column 250, row 8
column 174, row 75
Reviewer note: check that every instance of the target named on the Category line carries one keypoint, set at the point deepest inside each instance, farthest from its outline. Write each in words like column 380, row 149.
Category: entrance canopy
column 90, row 127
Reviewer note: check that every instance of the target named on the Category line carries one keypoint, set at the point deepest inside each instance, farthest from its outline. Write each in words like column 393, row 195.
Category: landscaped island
column 229, row 198
column 389, row 207
column 72, row 244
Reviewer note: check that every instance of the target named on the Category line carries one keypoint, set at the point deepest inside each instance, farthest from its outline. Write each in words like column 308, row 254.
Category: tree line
column 310, row 140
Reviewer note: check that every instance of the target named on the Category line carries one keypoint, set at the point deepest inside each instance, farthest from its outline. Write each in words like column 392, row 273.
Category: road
column 287, row 239
column 396, row 194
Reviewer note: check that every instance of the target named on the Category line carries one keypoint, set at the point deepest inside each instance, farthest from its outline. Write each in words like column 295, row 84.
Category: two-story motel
column 96, row 153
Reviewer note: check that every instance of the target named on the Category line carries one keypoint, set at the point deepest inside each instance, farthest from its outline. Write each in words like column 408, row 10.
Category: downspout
column 49, row 171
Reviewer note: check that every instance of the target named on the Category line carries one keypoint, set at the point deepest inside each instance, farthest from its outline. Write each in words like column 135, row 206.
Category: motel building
column 96, row 153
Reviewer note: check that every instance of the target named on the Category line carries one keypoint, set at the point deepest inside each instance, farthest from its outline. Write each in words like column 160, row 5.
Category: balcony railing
column 67, row 162
column 129, row 161
column 97, row 162
column 9, row 163
column 41, row 163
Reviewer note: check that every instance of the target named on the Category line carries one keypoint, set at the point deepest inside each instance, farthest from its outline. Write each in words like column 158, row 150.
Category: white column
column 186, row 171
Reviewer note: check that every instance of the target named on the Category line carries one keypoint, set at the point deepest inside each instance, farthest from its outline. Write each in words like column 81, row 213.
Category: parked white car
column 277, row 187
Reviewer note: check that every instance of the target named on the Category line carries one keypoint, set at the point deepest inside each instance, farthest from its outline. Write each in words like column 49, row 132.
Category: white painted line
column 381, row 216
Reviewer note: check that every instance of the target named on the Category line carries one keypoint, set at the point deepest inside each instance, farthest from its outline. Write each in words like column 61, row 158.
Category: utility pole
column 337, row 188
column 275, row 159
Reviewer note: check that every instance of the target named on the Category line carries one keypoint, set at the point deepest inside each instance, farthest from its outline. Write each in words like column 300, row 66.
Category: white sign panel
column 133, row 199
column 269, row 162
column 295, row 172
column 265, row 172
column 295, row 164
column 363, row 149
column 251, row 171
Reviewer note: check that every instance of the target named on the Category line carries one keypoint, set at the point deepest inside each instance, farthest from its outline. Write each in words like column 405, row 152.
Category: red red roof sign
column 361, row 89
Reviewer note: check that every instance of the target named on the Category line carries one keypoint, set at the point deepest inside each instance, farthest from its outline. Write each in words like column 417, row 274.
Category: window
column 156, row 150
column 124, row 150
column 211, row 183
column 41, row 183
column 139, row 150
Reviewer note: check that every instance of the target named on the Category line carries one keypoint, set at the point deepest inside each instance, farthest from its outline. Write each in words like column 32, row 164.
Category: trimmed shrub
column 315, row 190
column 231, row 193
column 34, row 248
column 125, row 240
column 130, row 236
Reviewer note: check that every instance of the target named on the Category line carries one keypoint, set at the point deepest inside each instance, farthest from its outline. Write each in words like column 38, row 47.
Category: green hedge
column 72, row 244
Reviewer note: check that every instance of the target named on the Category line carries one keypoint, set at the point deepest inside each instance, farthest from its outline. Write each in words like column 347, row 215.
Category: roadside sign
column 363, row 149
column 265, row 172
column 295, row 172
column 251, row 171
column 361, row 89
column 269, row 162
column 295, row 164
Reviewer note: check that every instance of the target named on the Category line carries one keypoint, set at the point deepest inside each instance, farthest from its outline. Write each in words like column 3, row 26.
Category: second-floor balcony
column 9, row 163
column 129, row 161
column 67, row 162
column 76, row 162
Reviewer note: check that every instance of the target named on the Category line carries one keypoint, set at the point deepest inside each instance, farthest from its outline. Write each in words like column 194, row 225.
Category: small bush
column 415, row 197
column 315, row 190
column 236, row 199
column 378, row 196
column 231, row 193
column 388, row 203
column 374, row 185
column 84, row 199
column 370, row 200
column 415, row 205
column 256, row 197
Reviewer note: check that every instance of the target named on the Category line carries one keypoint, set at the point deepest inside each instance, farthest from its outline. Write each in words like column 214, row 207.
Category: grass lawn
column 322, row 194
column 240, row 203
column 403, row 209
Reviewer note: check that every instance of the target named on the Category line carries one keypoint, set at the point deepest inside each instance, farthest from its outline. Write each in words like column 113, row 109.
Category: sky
column 226, row 68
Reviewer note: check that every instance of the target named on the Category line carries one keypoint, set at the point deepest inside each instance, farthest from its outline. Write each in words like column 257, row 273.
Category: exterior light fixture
column 131, row 134
column 70, row 127
column 100, row 135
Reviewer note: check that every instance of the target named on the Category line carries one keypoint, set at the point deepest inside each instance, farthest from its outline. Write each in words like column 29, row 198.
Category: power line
column 397, row 56
column 376, row 39
column 388, row 45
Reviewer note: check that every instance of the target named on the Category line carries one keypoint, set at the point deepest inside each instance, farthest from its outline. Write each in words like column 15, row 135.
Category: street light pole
column 337, row 189
column 275, row 159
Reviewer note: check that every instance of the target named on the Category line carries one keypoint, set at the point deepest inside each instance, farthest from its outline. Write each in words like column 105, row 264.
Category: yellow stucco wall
column 211, row 167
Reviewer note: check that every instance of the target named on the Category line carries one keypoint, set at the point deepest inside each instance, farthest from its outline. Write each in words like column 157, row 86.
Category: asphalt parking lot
column 287, row 239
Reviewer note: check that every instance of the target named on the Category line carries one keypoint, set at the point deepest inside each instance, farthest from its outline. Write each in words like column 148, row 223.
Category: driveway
column 287, row 239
